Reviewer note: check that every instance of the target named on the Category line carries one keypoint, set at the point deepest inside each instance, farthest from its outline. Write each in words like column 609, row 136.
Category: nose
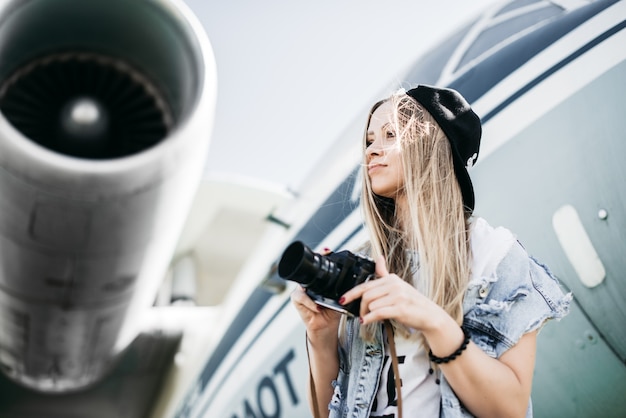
column 374, row 149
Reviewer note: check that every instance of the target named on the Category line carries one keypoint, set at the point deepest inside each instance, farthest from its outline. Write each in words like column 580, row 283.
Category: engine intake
column 106, row 109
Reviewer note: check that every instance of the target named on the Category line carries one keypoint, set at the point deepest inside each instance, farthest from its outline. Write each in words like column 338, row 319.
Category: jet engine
column 106, row 108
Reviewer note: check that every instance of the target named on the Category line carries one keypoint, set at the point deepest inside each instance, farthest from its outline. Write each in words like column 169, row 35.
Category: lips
column 374, row 167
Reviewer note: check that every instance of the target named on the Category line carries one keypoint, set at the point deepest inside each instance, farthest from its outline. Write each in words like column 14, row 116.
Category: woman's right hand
column 320, row 322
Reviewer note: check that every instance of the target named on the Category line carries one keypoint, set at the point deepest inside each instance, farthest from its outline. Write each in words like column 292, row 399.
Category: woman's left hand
column 390, row 297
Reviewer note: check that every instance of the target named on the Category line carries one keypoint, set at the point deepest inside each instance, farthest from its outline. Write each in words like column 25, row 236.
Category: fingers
column 358, row 291
column 374, row 296
column 381, row 301
column 302, row 300
column 369, row 291
column 382, row 298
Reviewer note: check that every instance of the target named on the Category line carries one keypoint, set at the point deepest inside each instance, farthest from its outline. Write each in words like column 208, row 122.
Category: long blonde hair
column 436, row 225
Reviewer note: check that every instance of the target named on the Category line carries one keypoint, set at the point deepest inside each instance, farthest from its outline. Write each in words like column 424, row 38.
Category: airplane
column 187, row 329
column 547, row 78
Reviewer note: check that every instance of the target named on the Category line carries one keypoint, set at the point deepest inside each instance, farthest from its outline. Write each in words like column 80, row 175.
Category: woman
column 462, row 301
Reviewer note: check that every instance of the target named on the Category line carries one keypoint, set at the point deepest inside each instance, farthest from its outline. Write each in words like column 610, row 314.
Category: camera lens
column 325, row 277
column 300, row 264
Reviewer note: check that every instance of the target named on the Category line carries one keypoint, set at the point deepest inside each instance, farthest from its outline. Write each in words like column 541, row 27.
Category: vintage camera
column 326, row 277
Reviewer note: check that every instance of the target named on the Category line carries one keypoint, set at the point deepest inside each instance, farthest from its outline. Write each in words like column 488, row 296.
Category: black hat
column 461, row 126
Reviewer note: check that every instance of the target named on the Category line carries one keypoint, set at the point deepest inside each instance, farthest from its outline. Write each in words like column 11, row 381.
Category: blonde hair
column 436, row 225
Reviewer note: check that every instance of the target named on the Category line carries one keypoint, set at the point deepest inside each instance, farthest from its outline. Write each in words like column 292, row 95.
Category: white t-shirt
column 420, row 392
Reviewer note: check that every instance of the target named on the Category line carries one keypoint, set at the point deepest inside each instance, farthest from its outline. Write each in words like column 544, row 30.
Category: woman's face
column 383, row 154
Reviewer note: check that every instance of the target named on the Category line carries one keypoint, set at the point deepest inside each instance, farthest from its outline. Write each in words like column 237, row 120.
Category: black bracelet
column 454, row 355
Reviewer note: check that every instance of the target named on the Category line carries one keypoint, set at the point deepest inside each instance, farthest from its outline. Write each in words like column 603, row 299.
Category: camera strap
column 316, row 410
column 394, row 363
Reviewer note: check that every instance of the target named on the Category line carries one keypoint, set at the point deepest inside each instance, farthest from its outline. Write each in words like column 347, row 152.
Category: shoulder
column 518, row 295
column 520, row 277
column 489, row 246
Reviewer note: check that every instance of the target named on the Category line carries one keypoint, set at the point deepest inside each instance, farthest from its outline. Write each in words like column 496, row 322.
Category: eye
column 388, row 131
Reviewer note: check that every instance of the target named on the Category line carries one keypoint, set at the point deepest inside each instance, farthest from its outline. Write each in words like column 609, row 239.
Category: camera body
column 326, row 277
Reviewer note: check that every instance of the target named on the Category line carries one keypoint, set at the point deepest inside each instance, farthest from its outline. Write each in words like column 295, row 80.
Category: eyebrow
column 383, row 128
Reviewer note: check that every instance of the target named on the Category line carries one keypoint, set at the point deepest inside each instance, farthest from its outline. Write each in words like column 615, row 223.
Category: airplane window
column 504, row 30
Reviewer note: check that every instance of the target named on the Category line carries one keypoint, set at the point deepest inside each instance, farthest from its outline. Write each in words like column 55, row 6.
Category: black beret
column 462, row 128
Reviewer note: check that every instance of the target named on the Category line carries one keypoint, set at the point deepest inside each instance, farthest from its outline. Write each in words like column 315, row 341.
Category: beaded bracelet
column 454, row 355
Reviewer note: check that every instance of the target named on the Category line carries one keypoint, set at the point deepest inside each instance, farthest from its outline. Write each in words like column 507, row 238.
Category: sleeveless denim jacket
column 518, row 297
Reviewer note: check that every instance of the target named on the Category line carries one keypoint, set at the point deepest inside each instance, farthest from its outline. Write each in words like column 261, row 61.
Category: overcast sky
column 292, row 75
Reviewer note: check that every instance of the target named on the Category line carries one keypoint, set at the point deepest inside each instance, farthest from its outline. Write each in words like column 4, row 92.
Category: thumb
column 381, row 267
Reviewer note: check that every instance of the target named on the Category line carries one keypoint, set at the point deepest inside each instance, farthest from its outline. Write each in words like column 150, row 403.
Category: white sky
column 292, row 75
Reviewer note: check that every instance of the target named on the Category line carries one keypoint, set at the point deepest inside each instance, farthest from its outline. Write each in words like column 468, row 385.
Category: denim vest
column 499, row 308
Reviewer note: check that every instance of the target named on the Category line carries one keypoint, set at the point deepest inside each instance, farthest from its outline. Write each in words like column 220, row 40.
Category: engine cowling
column 106, row 108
